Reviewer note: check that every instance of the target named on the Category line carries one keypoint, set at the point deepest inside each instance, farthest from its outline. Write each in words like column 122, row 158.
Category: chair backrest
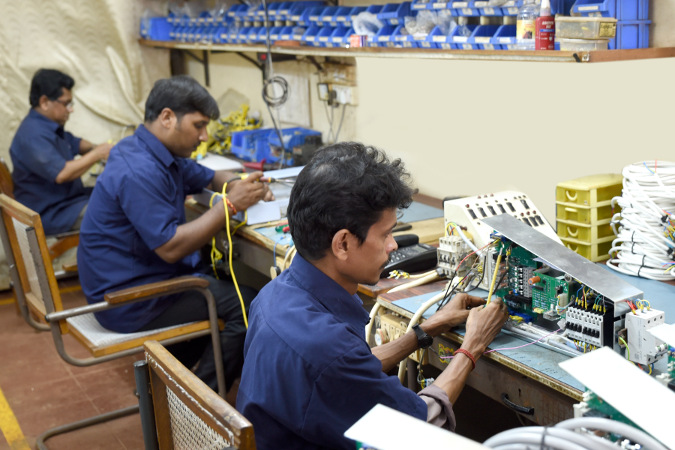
column 6, row 182
column 188, row 414
column 30, row 253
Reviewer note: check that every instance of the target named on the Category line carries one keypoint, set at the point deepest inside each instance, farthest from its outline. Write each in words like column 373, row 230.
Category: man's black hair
column 48, row 82
column 183, row 95
column 344, row 186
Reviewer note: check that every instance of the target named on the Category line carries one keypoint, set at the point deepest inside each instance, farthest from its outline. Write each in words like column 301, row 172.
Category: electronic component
column 643, row 347
column 412, row 258
column 451, row 251
column 549, row 285
column 469, row 213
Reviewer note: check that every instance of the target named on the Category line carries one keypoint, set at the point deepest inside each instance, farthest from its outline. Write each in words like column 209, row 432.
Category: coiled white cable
column 644, row 246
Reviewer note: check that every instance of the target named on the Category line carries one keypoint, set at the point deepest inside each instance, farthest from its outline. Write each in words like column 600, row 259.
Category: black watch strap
column 423, row 339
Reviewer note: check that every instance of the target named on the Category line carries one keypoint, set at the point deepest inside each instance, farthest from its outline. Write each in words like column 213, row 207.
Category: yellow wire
column 229, row 241
column 494, row 278
column 215, row 253
column 625, row 345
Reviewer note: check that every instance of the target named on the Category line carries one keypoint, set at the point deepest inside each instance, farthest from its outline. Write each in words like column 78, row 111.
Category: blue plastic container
column 341, row 16
column 355, row 11
column 326, row 16
column 283, row 10
column 156, row 29
column 286, row 33
column 384, row 38
column 511, row 8
column 394, row 13
column 323, row 38
column 485, row 10
column 402, row 39
column 275, row 34
column 481, row 37
column 245, row 143
column 293, row 137
column 438, row 39
column 298, row 33
column 309, row 38
column 463, row 8
column 505, row 38
column 457, row 40
column 418, row 5
column 310, row 16
column 340, row 36
column 630, row 35
column 234, row 9
column 622, row 10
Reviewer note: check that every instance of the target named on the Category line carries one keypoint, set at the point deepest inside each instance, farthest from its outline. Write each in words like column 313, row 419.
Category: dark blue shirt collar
column 155, row 146
column 328, row 292
column 48, row 123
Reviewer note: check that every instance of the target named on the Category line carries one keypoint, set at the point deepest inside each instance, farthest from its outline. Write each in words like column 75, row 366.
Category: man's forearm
column 75, row 168
column 193, row 235
column 393, row 352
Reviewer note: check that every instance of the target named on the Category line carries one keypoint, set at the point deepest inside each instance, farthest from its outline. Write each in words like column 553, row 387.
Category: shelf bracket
column 204, row 61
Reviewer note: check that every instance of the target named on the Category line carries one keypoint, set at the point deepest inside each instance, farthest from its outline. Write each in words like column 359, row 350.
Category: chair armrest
column 173, row 285
column 64, row 242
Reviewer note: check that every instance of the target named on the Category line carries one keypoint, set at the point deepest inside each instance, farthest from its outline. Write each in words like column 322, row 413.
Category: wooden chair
column 64, row 241
column 30, row 267
column 179, row 411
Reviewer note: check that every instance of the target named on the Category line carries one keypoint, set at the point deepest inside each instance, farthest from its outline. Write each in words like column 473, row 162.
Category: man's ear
column 167, row 118
column 342, row 242
column 43, row 102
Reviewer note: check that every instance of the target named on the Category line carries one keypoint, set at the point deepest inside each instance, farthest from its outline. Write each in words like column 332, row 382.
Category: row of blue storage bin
column 622, row 10
column 263, row 143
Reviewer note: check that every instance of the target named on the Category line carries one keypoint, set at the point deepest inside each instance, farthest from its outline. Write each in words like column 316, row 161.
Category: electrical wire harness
column 645, row 230
column 575, row 434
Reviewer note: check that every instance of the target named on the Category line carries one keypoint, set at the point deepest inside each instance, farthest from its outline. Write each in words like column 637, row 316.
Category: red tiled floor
column 44, row 391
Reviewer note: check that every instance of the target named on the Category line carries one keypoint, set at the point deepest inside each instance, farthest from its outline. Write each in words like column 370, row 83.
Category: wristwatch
column 423, row 339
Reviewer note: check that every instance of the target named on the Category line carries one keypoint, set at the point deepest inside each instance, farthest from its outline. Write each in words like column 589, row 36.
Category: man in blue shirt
column 309, row 373
column 135, row 230
column 46, row 174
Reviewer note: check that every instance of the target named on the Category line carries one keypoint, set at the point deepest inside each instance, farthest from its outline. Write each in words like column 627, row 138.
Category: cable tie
column 543, row 437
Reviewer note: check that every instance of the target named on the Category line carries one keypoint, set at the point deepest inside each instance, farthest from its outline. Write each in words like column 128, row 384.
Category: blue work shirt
column 308, row 372
column 137, row 205
column 39, row 151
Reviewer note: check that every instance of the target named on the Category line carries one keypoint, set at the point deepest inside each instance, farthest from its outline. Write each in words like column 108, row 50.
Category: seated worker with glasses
column 46, row 173
column 309, row 373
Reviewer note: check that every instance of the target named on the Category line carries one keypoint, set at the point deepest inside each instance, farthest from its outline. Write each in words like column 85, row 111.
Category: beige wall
column 469, row 127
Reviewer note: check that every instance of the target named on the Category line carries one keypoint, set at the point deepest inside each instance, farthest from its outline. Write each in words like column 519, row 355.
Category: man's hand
column 102, row 150
column 249, row 191
column 483, row 325
column 452, row 314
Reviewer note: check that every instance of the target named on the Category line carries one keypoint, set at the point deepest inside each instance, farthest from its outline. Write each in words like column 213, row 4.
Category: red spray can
column 544, row 36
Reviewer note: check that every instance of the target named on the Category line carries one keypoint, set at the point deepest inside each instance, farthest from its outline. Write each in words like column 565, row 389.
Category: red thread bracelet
column 468, row 355
column 229, row 203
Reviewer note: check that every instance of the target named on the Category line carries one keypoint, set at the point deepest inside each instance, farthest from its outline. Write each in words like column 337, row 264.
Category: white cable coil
column 643, row 247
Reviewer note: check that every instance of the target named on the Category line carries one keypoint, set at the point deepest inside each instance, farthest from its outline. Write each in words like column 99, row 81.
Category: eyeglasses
column 67, row 105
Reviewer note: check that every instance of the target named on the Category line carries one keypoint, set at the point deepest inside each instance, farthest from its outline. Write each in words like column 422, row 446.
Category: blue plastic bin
column 323, row 39
column 309, row 38
column 298, row 33
column 402, row 39
column 232, row 12
column 438, row 39
column 394, row 13
column 463, row 8
column 293, row 137
column 340, row 34
column 355, row 11
column 630, row 35
column 156, row 29
column 622, row 10
column 341, row 17
column 383, row 38
column 505, row 38
column 485, row 10
column 481, row 37
column 245, row 144
column 286, row 33
column 326, row 16
column 458, row 41
column 511, row 8
column 310, row 16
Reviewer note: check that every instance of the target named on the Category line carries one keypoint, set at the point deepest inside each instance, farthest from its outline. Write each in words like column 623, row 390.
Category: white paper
column 387, row 429
column 217, row 162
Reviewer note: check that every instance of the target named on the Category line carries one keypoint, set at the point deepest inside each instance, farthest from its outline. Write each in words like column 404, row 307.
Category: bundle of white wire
column 647, row 202
column 572, row 434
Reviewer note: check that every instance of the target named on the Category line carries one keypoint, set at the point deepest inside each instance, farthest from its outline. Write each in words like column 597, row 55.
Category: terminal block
column 643, row 347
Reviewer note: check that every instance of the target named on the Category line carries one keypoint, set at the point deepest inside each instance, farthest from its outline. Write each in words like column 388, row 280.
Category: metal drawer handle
column 521, row 409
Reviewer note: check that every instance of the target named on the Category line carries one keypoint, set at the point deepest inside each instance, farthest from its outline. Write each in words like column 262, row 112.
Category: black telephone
column 411, row 256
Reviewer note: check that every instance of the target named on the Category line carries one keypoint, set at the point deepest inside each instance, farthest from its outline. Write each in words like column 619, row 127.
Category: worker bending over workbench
column 135, row 230
column 309, row 373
